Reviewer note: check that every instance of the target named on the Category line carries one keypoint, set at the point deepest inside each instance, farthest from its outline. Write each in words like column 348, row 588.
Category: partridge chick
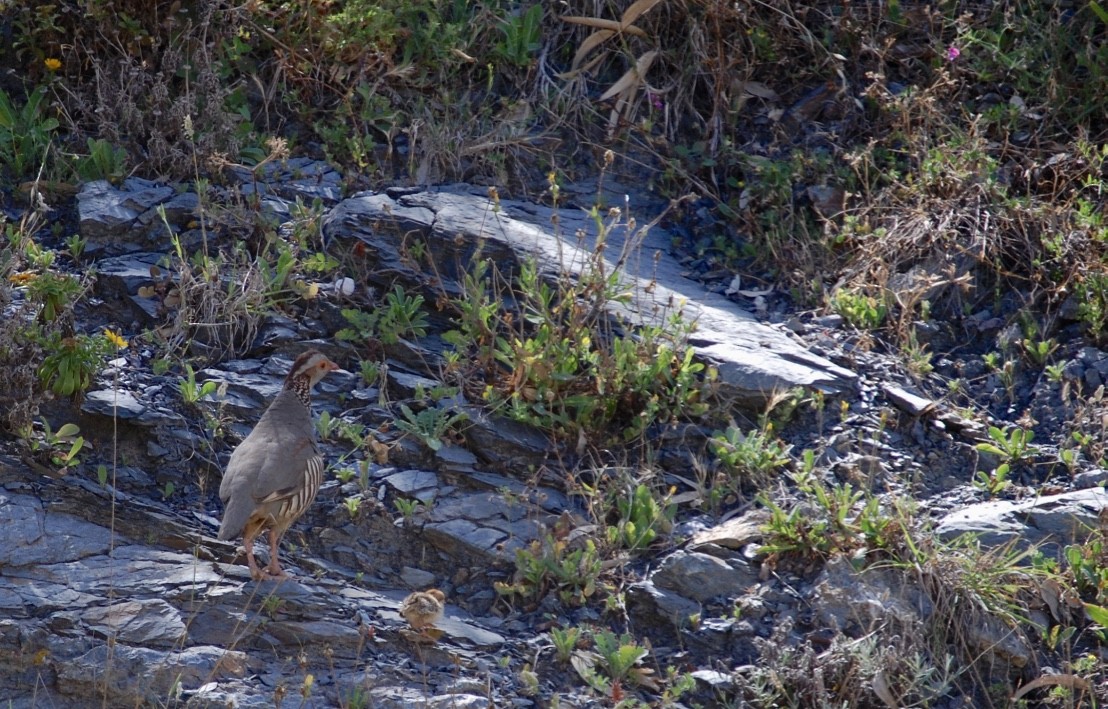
column 274, row 475
column 422, row 609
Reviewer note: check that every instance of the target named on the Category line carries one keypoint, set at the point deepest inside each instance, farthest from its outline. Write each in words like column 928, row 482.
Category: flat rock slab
column 1050, row 520
column 754, row 360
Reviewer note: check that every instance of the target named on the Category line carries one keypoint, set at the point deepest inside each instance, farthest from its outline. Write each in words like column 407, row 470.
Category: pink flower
column 952, row 53
column 656, row 101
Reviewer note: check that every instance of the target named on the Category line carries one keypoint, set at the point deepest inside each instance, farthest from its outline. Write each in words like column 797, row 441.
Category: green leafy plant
column 561, row 363
column 565, row 642
column 25, row 133
column 757, row 454
column 103, row 162
column 408, row 508
column 829, row 519
column 369, row 371
column 56, row 292
column 862, row 311
column 70, row 362
column 616, row 661
column 995, row 481
column 1055, row 372
column 1010, row 446
column 193, row 391
column 401, row 315
column 75, row 244
column 61, row 447
column 430, row 425
column 1087, row 565
column 1039, row 350
column 642, row 517
column 522, row 36
column 325, row 425
column 549, row 564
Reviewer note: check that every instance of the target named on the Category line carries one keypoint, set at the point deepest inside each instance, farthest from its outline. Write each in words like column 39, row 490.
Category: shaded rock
column 1051, row 520
column 455, row 458
column 114, row 402
column 507, row 445
column 417, row 578
column 103, row 211
column 150, row 622
column 716, row 682
column 413, row 482
column 26, row 598
column 131, row 569
column 700, row 576
column 1090, row 478
column 735, row 533
column 182, row 207
column 844, row 596
column 654, row 607
column 34, row 537
column 344, row 639
column 462, row 538
column 549, row 499
column 283, row 181
column 403, row 385
column 138, row 675
column 122, row 276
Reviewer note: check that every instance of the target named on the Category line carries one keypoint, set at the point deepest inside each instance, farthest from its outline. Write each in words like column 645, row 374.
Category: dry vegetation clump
column 910, row 154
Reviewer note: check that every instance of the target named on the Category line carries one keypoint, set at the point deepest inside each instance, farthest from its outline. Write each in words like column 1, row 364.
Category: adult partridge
column 274, row 475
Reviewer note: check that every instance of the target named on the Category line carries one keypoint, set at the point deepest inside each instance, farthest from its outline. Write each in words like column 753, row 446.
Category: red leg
column 274, row 568
column 248, row 540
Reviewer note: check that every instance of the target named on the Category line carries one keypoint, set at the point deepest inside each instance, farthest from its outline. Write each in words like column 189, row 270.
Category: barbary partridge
column 422, row 609
column 274, row 475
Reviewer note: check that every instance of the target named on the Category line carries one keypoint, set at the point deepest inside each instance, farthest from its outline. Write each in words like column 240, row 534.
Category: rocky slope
column 115, row 592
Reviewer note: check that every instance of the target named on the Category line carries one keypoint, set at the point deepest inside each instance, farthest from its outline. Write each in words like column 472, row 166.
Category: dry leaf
column 379, row 450
column 146, row 291
column 573, row 73
column 591, row 42
column 632, row 78
column 881, row 689
column 584, row 662
column 757, row 88
column 637, row 9
column 1070, row 681
column 602, row 24
column 462, row 55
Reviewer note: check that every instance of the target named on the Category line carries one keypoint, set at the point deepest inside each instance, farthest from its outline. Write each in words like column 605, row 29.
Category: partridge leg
column 274, row 568
column 248, row 540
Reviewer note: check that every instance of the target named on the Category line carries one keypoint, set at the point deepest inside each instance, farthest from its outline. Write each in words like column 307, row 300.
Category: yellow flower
column 52, row 63
column 22, row 278
column 115, row 338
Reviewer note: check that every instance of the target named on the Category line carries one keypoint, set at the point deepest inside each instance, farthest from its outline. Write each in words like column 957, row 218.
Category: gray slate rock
column 1051, row 521
column 121, row 276
column 149, row 622
column 141, row 675
column 754, row 360
column 701, row 577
